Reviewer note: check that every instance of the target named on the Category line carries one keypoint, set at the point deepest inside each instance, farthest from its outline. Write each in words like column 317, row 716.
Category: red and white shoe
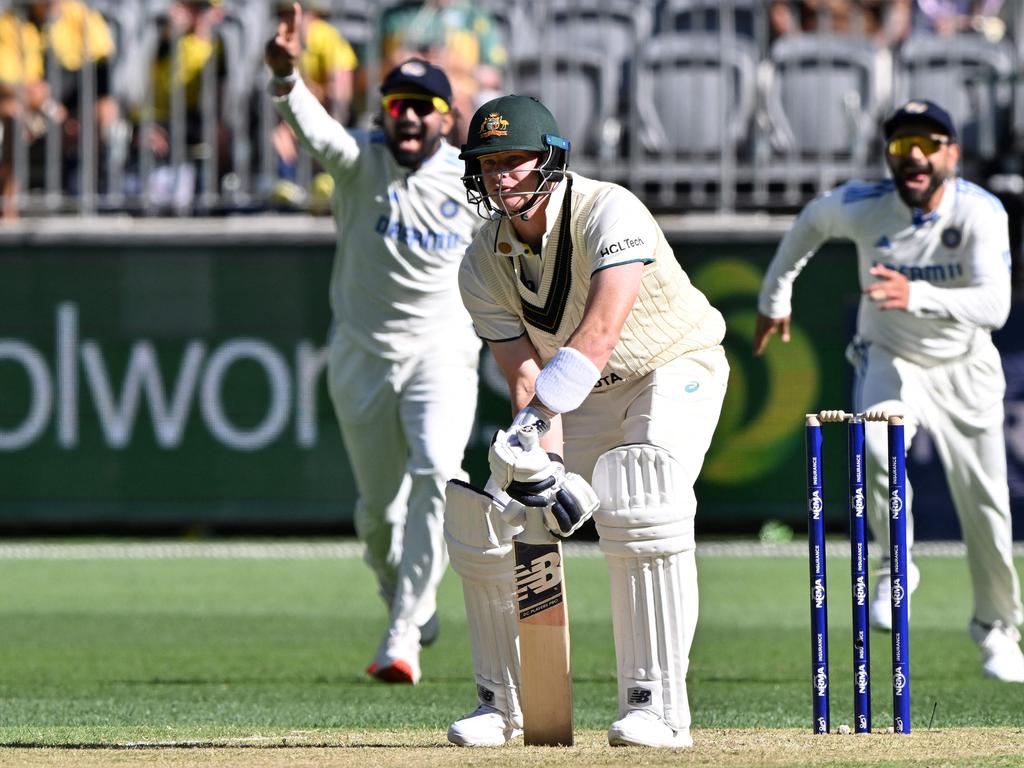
column 398, row 671
column 398, row 657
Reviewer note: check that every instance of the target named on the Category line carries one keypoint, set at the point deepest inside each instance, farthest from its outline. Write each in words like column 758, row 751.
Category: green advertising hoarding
column 182, row 385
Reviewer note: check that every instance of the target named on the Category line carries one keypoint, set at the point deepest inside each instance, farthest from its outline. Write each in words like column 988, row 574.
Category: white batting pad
column 647, row 505
column 646, row 526
column 480, row 551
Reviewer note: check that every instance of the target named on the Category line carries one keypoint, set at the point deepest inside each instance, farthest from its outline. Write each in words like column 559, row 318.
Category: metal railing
column 693, row 104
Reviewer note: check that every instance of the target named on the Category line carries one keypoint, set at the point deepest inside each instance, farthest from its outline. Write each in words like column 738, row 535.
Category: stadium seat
column 696, row 95
column 581, row 64
column 968, row 75
column 823, row 96
column 580, row 88
column 741, row 17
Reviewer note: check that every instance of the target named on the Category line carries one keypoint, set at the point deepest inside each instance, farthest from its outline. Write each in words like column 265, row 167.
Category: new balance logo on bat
column 542, row 574
column 538, row 578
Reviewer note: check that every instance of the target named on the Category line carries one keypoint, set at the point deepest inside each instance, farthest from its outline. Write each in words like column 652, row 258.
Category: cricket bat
column 546, row 675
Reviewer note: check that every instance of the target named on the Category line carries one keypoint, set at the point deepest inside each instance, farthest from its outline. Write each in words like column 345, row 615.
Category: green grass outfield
column 200, row 655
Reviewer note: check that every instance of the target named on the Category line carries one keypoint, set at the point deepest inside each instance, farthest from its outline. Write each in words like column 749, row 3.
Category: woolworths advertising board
column 169, row 386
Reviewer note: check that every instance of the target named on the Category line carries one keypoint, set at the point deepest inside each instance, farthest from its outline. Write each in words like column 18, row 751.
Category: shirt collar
column 918, row 217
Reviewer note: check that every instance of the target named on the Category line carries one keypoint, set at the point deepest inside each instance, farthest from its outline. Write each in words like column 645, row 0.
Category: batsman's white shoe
column 398, row 657
column 484, row 727
column 645, row 729
column 1001, row 656
column 881, row 598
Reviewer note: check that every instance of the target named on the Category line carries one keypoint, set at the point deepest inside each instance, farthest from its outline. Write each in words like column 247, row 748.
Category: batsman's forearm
column 551, row 441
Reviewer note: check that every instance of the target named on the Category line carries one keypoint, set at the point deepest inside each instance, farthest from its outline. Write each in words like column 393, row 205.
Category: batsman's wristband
column 564, row 383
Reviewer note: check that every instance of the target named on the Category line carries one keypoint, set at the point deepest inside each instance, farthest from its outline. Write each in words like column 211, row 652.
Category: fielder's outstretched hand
column 766, row 328
column 282, row 51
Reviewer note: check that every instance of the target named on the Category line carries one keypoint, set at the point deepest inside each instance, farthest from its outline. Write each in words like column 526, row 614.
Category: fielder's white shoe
column 881, row 598
column 484, row 727
column 645, row 729
column 398, row 657
column 1001, row 656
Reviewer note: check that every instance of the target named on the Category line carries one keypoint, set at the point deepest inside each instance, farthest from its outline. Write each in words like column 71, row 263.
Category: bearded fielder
column 934, row 264
column 611, row 352
column 403, row 356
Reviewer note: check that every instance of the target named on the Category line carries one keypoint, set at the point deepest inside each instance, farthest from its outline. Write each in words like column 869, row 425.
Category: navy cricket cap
column 921, row 110
column 418, row 74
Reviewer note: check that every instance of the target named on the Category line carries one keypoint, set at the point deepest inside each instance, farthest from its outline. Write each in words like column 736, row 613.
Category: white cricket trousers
column 675, row 407
column 960, row 403
column 405, row 425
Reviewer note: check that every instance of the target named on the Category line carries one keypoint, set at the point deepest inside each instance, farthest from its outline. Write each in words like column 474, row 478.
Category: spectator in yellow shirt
column 189, row 43
column 25, row 102
column 452, row 34
column 78, row 36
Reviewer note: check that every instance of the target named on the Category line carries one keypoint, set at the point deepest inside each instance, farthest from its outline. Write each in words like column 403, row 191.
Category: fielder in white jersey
column 616, row 357
column 403, row 356
column 934, row 266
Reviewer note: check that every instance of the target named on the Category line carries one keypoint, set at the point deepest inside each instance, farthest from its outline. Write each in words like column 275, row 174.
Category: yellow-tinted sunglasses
column 904, row 145
column 421, row 103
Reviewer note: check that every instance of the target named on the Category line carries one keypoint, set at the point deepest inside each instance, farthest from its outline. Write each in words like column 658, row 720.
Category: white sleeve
column 985, row 303
column 620, row 230
column 322, row 136
column 491, row 321
column 816, row 224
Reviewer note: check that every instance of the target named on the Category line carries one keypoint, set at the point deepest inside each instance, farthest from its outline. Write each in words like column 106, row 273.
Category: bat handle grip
column 529, row 437
column 534, row 530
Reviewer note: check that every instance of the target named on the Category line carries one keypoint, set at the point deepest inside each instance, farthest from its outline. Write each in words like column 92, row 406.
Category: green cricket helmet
column 513, row 123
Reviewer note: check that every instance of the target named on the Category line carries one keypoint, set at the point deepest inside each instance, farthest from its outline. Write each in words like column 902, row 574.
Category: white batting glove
column 514, row 514
column 573, row 504
column 510, row 462
column 567, row 499
column 511, row 511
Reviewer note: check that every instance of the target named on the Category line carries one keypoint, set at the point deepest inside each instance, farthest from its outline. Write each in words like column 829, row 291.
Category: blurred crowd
column 159, row 105
column 156, row 101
